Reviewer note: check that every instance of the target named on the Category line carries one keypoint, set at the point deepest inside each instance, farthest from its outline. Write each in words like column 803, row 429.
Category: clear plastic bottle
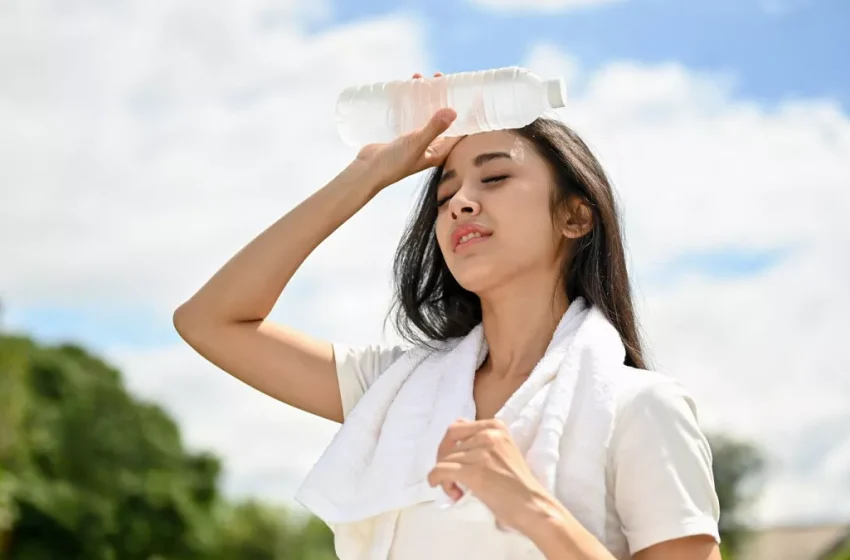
column 485, row 100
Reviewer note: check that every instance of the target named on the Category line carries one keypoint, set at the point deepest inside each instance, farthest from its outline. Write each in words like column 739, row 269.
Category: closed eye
column 486, row 180
column 443, row 200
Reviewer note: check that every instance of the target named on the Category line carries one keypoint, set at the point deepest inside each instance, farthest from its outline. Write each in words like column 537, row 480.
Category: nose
column 463, row 205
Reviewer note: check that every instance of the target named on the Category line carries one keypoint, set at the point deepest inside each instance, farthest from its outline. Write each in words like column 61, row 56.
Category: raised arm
column 226, row 320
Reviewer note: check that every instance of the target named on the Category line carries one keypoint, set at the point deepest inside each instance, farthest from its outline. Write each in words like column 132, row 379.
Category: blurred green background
column 89, row 472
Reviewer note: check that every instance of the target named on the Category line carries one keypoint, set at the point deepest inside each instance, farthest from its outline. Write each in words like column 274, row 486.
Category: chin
column 477, row 278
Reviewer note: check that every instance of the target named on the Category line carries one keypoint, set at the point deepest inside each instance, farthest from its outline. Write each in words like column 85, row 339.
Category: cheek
column 530, row 237
column 527, row 216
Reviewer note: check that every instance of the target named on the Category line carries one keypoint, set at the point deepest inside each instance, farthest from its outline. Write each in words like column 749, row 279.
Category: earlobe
column 577, row 219
column 576, row 231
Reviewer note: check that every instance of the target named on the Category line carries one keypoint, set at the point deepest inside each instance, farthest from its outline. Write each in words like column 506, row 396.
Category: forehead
column 465, row 151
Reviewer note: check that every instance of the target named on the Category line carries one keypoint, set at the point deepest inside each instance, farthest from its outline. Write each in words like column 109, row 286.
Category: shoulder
column 357, row 368
column 640, row 390
column 372, row 360
column 655, row 410
column 369, row 359
column 660, row 463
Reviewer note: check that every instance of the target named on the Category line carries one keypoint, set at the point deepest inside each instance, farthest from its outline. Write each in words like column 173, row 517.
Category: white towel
column 379, row 460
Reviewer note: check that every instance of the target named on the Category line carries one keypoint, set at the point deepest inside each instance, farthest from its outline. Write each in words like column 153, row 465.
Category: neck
column 519, row 321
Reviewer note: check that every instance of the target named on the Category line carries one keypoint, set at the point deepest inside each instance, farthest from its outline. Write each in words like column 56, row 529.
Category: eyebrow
column 479, row 160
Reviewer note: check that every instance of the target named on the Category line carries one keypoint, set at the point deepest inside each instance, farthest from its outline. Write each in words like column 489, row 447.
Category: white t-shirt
column 659, row 478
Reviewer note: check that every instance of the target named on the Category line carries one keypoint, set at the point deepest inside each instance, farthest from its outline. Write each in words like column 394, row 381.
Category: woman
column 516, row 239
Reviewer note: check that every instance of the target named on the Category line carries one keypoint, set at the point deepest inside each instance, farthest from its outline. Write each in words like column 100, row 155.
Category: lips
column 469, row 234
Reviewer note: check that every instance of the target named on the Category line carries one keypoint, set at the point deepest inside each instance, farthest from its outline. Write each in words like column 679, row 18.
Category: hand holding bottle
column 484, row 100
column 408, row 154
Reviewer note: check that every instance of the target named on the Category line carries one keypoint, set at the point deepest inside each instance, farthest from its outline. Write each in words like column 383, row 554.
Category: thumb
column 439, row 123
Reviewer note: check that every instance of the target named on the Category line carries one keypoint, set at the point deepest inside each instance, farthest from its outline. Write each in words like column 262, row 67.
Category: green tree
column 738, row 468
column 842, row 554
column 252, row 531
column 87, row 471
column 312, row 540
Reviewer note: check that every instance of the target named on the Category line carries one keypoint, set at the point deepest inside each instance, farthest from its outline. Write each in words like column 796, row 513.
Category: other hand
column 482, row 457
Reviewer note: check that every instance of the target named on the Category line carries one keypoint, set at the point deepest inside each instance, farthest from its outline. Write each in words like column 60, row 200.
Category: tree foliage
column 88, row 471
column 738, row 468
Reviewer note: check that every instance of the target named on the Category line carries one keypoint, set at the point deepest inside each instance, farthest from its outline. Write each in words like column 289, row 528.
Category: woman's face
column 494, row 215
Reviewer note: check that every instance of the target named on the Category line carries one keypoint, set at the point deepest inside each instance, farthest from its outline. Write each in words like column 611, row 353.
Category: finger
column 438, row 74
column 472, row 456
column 479, row 436
column 478, row 441
column 463, row 430
column 447, row 445
column 450, row 448
column 446, row 448
column 440, row 148
column 438, row 124
column 460, row 458
column 452, row 490
column 446, row 473
column 417, row 76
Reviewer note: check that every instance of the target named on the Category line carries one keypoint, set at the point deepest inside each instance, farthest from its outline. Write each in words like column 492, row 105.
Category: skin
column 514, row 271
column 226, row 320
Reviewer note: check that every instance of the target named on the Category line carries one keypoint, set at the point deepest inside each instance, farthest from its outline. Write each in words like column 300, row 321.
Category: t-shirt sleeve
column 663, row 481
column 357, row 367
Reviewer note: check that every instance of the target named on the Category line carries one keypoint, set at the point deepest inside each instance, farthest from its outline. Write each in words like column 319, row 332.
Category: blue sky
column 773, row 55
column 99, row 328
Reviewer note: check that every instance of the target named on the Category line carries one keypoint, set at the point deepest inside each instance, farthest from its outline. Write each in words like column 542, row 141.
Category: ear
column 576, row 217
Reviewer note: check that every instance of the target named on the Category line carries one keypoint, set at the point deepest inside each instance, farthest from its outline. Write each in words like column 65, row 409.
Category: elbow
column 185, row 320
column 194, row 322
column 193, row 319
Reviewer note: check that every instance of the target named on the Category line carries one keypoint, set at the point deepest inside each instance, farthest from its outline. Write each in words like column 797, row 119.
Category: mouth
column 470, row 239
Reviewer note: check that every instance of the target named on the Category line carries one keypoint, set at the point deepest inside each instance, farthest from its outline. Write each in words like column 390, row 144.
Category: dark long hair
column 430, row 306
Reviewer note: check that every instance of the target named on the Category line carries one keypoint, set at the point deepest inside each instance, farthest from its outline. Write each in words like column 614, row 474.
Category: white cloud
column 143, row 143
column 545, row 6
column 165, row 139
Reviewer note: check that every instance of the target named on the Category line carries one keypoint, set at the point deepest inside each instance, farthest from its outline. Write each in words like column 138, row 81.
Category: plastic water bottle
column 485, row 100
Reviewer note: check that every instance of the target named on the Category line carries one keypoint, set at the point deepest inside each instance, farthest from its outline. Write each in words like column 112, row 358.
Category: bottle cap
column 556, row 92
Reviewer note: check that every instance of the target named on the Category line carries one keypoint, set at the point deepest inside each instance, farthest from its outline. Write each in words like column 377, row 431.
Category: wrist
column 542, row 516
column 557, row 533
column 364, row 175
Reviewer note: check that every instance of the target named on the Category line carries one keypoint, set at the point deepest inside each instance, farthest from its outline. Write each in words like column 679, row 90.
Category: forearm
column 558, row 534
column 248, row 285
